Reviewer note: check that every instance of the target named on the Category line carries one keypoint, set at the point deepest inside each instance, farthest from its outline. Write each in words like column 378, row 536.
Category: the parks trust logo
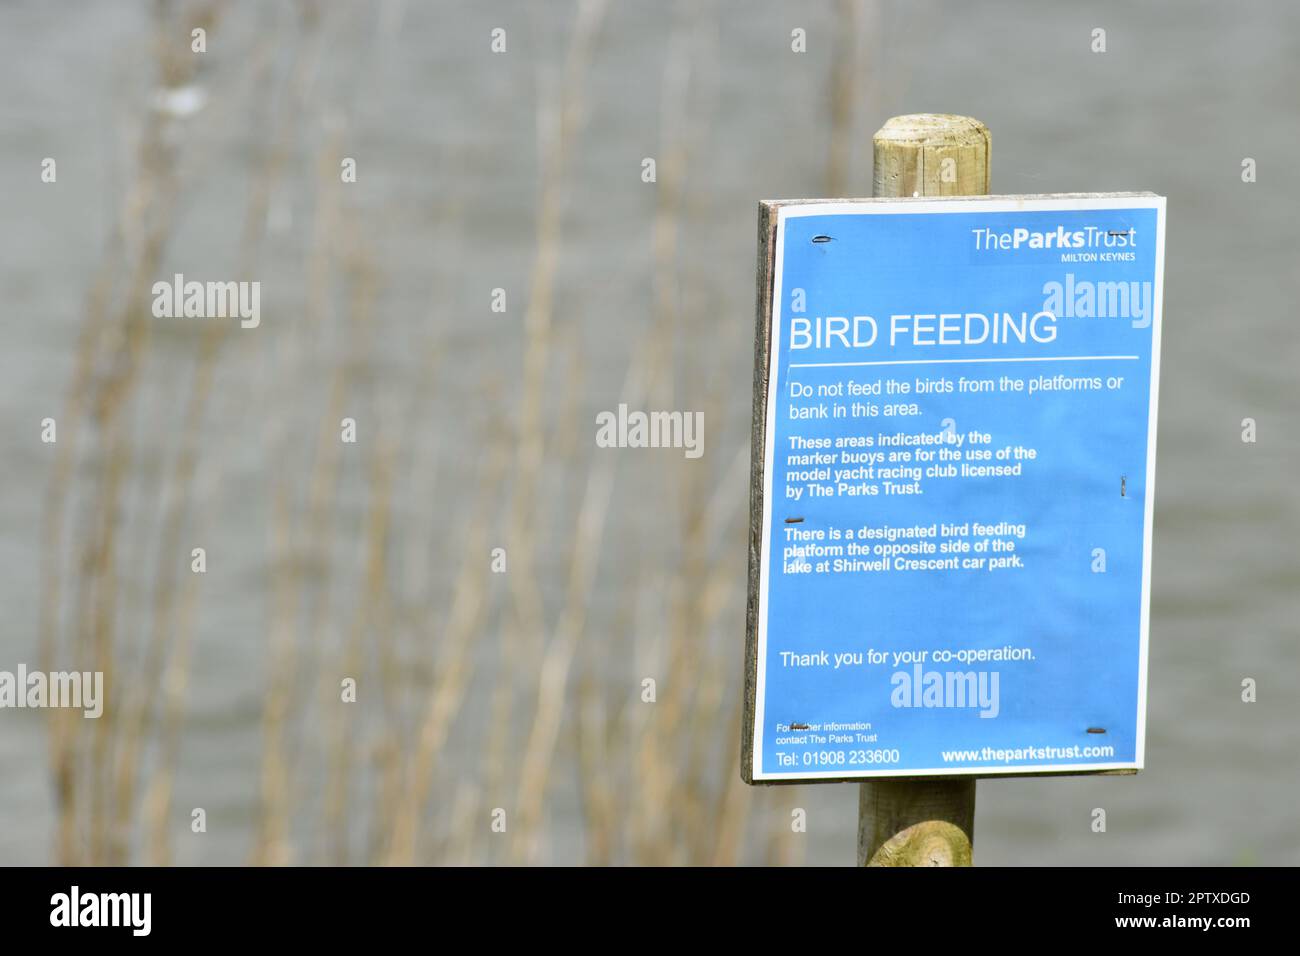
column 1085, row 237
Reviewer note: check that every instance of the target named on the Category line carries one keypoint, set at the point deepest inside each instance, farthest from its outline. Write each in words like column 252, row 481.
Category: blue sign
column 957, row 487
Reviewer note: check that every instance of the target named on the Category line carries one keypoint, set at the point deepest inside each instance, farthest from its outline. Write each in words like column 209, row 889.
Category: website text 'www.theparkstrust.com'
column 1019, row 754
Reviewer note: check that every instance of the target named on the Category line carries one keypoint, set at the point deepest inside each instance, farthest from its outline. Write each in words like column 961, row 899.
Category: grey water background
column 449, row 178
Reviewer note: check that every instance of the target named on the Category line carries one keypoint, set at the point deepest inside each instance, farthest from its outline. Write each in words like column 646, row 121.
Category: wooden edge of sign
column 941, row 777
column 770, row 206
column 767, row 216
column 768, row 211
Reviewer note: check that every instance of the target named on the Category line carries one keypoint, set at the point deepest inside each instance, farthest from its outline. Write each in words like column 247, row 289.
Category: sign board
column 951, row 504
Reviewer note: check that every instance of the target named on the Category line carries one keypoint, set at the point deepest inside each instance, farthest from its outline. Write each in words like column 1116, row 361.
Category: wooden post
column 912, row 156
column 926, row 821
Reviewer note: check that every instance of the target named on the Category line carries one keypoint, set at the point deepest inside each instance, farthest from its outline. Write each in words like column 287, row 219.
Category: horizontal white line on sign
column 1052, row 358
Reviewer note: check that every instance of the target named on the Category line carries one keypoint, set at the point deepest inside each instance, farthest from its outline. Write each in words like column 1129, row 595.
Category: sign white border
column 956, row 205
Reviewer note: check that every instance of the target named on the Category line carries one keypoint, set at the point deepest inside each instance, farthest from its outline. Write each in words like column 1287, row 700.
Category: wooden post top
column 931, row 154
column 933, row 129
